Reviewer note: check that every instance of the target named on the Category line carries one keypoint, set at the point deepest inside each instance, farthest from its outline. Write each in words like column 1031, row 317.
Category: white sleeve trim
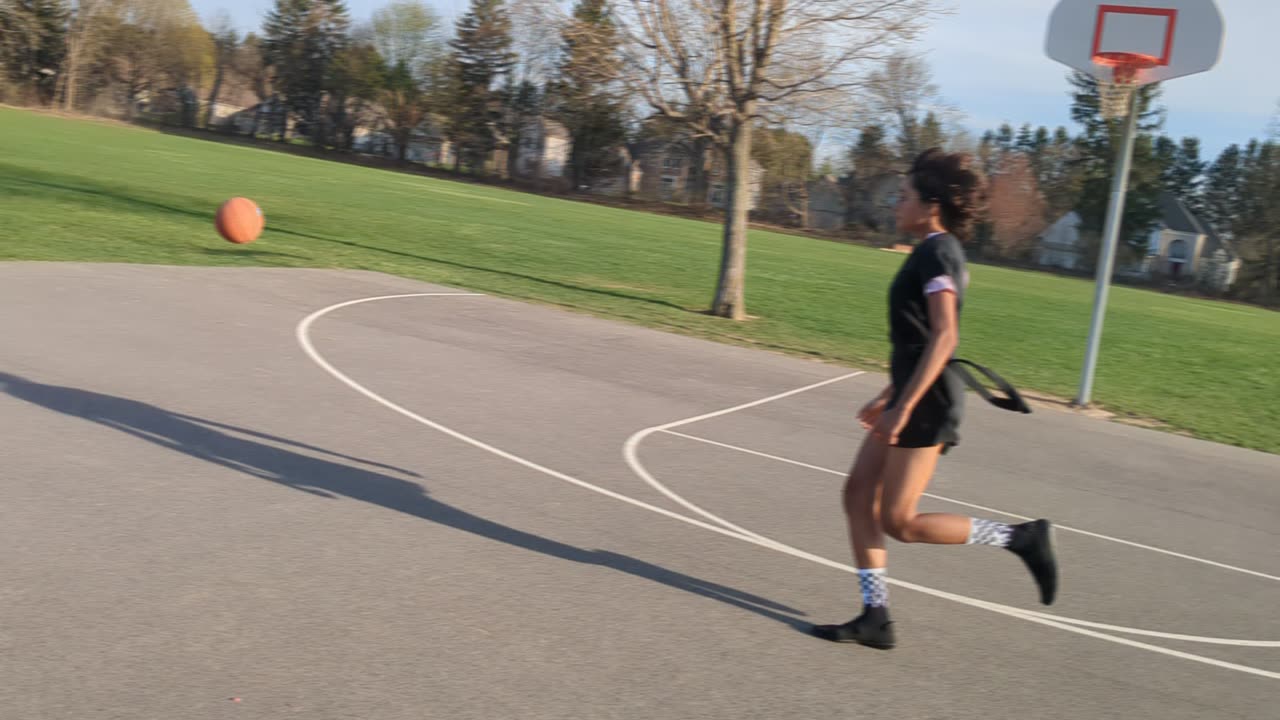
column 942, row 283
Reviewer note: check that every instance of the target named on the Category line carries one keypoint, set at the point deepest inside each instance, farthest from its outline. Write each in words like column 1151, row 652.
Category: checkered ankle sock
column 988, row 532
column 875, row 591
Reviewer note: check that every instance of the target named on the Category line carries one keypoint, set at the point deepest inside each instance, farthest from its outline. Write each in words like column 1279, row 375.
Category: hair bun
column 952, row 181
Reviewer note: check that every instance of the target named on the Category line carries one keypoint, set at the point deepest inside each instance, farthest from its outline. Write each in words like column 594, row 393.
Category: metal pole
column 1107, row 255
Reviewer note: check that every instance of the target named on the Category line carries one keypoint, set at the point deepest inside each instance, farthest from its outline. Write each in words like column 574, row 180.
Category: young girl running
column 914, row 420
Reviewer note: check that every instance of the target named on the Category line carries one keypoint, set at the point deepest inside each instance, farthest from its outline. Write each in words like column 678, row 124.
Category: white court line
column 1085, row 623
column 302, row 334
column 1056, row 526
column 629, row 450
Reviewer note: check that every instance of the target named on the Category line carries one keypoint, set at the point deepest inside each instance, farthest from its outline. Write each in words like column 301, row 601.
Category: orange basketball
column 239, row 220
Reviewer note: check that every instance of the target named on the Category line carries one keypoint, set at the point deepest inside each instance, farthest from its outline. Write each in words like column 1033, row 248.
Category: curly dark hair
column 951, row 181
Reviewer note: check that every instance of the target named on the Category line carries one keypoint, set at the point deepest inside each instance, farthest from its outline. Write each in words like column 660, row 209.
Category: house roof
column 1178, row 217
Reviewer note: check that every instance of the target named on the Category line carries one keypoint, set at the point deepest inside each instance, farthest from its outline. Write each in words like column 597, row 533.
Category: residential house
column 665, row 172
column 544, row 149
column 427, row 144
column 872, row 201
column 622, row 179
column 1181, row 248
column 269, row 116
column 1060, row 245
column 828, row 204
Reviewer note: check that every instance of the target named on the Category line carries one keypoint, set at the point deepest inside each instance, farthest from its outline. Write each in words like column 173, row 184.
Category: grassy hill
column 93, row 191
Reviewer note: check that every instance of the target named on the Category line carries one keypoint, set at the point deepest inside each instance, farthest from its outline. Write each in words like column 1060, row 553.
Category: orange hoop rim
column 1125, row 66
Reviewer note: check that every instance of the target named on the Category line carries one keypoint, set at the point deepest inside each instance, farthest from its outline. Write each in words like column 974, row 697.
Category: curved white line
column 953, row 501
column 630, row 448
column 304, row 339
column 1204, row 640
column 632, row 457
column 302, row 334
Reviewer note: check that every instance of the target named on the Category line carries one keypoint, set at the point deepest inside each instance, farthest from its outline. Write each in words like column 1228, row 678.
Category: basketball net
column 1126, row 69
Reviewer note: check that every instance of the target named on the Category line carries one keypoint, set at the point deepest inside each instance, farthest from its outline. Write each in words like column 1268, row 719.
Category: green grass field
column 92, row 191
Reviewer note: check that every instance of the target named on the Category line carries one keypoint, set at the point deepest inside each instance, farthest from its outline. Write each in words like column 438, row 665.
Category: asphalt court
column 226, row 495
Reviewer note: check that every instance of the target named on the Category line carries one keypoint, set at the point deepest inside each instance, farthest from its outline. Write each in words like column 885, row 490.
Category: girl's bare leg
column 862, row 504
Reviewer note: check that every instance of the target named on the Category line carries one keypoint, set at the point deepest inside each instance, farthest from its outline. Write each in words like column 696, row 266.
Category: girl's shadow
column 330, row 474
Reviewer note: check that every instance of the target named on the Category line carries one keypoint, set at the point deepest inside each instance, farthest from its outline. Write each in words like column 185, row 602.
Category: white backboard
column 1183, row 37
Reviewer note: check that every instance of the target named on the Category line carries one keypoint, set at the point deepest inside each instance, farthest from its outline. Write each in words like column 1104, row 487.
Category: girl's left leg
column 906, row 475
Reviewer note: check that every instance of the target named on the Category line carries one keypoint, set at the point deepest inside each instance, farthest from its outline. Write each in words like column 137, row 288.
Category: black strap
column 1012, row 401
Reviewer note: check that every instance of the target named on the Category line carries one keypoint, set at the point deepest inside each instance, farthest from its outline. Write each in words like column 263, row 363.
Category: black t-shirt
column 938, row 261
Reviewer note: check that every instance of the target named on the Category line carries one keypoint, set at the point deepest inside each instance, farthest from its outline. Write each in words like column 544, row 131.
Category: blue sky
column 988, row 60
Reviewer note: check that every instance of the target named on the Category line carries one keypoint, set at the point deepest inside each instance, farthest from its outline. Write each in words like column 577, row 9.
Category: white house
column 1060, row 245
column 544, row 149
column 427, row 143
column 1181, row 248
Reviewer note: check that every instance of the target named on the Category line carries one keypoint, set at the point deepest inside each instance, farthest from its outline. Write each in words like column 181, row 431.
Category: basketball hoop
column 1126, row 71
column 1123, row 45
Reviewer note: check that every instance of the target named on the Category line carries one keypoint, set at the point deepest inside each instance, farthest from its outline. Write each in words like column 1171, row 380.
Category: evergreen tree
column 302, row 39
column 1098, row 146
column 1182, row 170
column 584, row 100
column 1222, row 190
column 1026, row 140
column 481, row 59
column 1035, row 147
column 988, row 152
column 930, row 133
column 1005, row 138
column 33, row 45
column 524, row 102
column 872, row 162
column 1257, row 222
column 357, row 76
column 1061, row 175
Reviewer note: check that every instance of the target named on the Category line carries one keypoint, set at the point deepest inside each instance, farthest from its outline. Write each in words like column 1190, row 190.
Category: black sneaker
column 872, row 628
column 1033, row 542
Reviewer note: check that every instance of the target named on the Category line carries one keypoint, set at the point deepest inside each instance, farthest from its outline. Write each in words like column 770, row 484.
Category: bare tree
column 257, row 72
column 901, row 95
column 536, row 29
column 1017, row 208
column 156, row 45
column 719, row 66
column 85, row 34
column 408, row 32
column 223, row 32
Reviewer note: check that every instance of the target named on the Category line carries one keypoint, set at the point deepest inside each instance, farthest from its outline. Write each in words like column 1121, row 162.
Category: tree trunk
column 70, row 76
column 1271, row 268
column 402, row 144
column 799, row 191
column 584, row 144
column 513, row 148
column 213, row 94
column 130, row 102
column 729, row 300
column 578, row 161
column 698, row 186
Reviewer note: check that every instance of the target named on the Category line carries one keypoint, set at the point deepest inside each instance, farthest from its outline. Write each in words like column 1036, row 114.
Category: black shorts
column 936, row 419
